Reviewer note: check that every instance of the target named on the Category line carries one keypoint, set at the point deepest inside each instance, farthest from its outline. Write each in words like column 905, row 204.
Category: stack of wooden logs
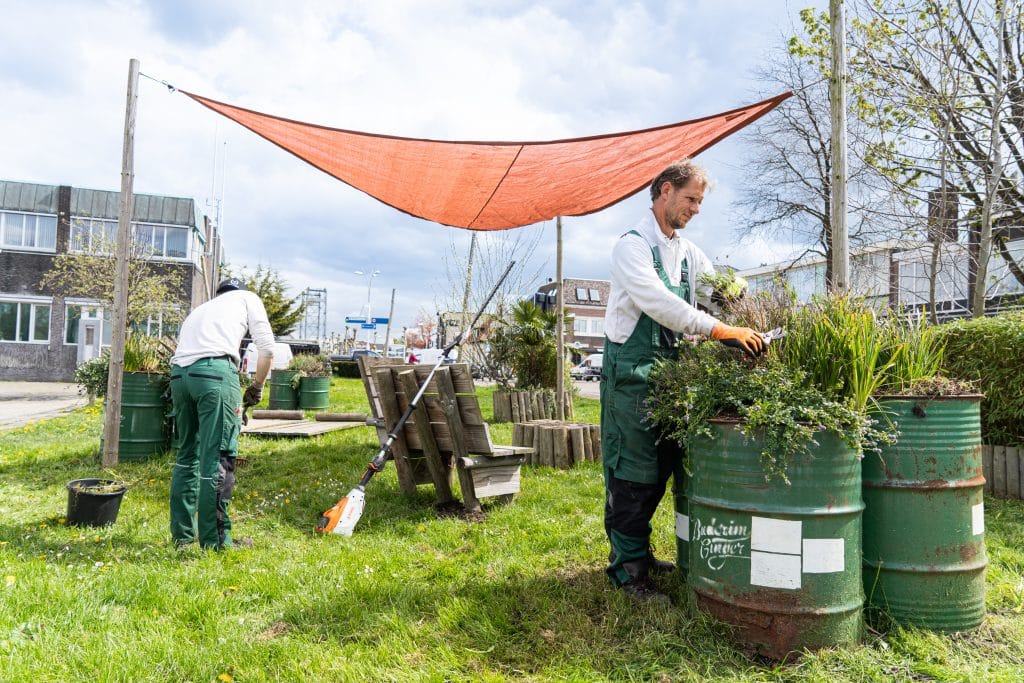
column 558, row 444
column 523, row 406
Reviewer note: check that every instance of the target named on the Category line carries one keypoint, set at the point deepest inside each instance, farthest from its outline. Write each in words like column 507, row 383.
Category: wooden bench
column 445, row 433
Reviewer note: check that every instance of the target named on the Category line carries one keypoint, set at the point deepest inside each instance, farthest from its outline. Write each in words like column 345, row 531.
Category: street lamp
column 369, row 275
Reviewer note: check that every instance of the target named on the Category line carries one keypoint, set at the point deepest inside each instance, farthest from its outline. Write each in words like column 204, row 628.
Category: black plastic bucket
column 88, row 508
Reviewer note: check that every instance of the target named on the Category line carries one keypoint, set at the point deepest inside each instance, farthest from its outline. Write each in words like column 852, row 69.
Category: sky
column 446, row 69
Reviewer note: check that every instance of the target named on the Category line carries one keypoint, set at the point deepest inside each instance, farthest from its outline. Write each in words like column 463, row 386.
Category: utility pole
column 467, row 290
column 387, row 330
column 837, row 99
column 112, row 412
column 560, row 325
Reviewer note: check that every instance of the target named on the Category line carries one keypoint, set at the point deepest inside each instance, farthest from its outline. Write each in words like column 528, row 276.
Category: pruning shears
column 767, row 337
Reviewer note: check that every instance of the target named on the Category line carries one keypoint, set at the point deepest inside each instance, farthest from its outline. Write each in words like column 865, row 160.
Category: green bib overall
column 636, row 465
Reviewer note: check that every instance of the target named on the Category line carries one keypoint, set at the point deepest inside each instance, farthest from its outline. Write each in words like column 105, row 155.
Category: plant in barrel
column 773, row 521
column 312, row 379
column 924, row 524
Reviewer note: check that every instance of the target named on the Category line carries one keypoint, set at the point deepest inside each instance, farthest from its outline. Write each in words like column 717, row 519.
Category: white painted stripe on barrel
column 978, row 518
column 775, row 535
column 683, row 526
column 824, row 555
column 774, row 570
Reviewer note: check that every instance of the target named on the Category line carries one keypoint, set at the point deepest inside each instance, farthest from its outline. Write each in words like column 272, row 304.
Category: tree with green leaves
column 284, row 313
column 527, row 345
column 90, row 274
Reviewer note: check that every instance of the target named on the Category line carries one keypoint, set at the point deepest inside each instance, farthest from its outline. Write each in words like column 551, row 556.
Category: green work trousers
column 207, row 411
column 637, row 461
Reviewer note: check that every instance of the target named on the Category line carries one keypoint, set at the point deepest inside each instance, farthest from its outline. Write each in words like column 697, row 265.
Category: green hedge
column 345, row 368
column 990, row 353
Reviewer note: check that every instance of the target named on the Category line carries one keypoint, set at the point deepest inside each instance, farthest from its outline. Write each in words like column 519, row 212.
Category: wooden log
column 440, row 473
column 502, row 407
column 579, row 452
column 999, row 471
column 341, row 417
column 547, row 445
column 515, row 408
column 530, row 439
column 986, row 467
column 1020, row 473
column 588, row 444
column 390, row 414
column 278, row 414
column 538, row 404
column 558, row 455
column 1012, row 473
column 595, row 436
column 536, row 461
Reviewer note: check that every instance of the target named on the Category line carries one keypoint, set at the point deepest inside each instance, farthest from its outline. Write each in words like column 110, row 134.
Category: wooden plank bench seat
column 446, row 432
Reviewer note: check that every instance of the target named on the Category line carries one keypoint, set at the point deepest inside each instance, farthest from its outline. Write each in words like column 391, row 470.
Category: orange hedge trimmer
column 343, row 517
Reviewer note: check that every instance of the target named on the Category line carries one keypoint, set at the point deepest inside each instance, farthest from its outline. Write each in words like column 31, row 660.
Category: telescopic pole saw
column 343, row 517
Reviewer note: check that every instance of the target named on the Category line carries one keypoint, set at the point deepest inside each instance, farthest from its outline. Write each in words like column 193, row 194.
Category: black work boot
column 643, row 589
column 656, row 566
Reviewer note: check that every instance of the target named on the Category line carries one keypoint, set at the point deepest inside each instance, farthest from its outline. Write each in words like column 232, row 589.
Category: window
column 93, row 235
column 581, row 294
column 595, row 295
column 24, row 321
column 579, row 326
column 158, row 326
column 597, row 327
column 164, row 241
column 157, row 241
column 28, row 231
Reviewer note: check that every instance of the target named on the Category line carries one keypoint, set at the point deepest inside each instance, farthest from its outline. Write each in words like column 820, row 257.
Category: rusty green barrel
column 314, row 393
column 682, row 517
column 143, row 416
column 282, row 394
column 780, row 562
column 924, row 525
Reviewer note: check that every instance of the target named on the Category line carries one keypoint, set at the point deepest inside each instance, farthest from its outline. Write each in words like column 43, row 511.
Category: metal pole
column 387, row 330
column 837, row 98
column 560, row 326
column 112, row 412
column 468, row 288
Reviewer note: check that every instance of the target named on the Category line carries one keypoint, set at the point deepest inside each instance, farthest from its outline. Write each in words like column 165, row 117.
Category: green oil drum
column 682, row 516
column 780, row 562
column 314, row 393
column 924, row 524
column 282, row 395
column 143, row 416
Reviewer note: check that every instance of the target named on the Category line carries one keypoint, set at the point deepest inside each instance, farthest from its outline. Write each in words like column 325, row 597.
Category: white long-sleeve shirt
column 216, row 328
column 636, row 287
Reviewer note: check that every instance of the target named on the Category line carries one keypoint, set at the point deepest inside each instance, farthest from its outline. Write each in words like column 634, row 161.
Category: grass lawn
column 409, row 597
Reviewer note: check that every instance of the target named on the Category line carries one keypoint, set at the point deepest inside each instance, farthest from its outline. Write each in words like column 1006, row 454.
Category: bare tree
column 787, row 188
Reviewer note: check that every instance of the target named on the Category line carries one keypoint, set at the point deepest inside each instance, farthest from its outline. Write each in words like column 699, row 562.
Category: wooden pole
column 466, row 292
column 560, row 327
column 387, row 330
column 112, row 413
column 837, row 99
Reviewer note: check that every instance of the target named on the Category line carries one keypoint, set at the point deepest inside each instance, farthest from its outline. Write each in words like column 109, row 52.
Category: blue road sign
column 355, row 320
column 379, row 321
column 368, row 326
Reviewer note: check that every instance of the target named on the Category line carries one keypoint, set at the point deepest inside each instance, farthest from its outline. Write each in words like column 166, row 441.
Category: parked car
column 590, row 369
column 342, row 357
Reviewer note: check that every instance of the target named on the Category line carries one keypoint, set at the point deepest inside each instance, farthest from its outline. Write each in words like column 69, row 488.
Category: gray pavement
column 588, row 389
column 23, row 402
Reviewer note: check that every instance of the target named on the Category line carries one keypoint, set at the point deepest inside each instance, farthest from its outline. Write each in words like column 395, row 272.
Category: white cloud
column 451, row 70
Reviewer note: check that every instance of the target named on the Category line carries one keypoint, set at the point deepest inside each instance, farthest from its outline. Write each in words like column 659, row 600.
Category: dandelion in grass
column 11, row 580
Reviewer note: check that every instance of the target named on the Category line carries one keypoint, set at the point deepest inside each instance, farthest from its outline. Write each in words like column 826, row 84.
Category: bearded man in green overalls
column 654, row 276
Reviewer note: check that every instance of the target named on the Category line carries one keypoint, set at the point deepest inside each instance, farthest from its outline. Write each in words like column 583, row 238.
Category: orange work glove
column 740, row 337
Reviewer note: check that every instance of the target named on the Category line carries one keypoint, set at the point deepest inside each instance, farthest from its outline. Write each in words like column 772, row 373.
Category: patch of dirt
column 275, row 630
column 450, row 509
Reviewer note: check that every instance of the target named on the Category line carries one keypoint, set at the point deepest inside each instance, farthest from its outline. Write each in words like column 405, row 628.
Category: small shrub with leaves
column 311, row 365
column 776, row 403
column 92, row 375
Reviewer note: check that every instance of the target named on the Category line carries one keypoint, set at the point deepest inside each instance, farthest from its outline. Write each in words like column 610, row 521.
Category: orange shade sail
column 494, row 185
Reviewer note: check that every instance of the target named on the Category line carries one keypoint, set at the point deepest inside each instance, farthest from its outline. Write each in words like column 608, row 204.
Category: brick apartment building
column 39, row 330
